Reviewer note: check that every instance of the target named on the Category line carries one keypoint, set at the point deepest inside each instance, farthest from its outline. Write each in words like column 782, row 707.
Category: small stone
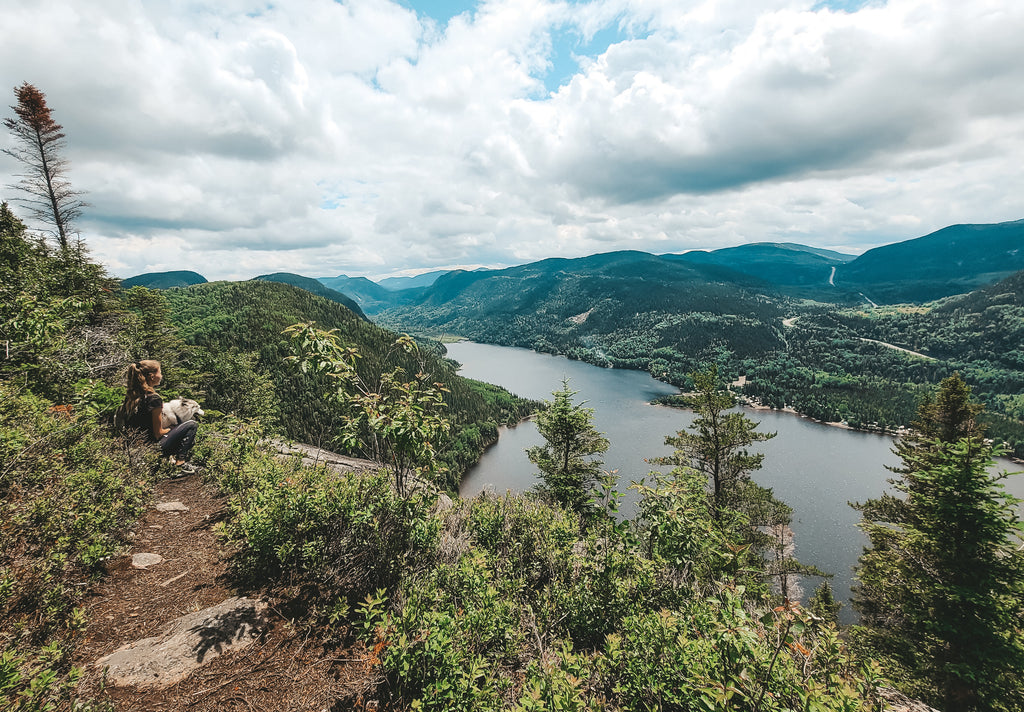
column 142, row 561
column 171, row 507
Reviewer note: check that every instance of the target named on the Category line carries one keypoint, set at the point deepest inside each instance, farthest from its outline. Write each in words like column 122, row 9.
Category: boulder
column 187, row 643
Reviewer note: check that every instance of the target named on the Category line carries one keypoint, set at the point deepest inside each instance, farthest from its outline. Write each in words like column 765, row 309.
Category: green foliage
column 396, row 419
column 940, row 585
column 566, row 461
column 321, row 533
column 717, row 654
column 516, row 614
column 150, row 334
column 717, row 447
column 68, row 494
column 824, row 605
column 238, row 365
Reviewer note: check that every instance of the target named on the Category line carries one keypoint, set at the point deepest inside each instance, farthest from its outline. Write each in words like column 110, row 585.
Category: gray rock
column 142, row 561
column 171, row 507
column 443, row 504
column 188, row 642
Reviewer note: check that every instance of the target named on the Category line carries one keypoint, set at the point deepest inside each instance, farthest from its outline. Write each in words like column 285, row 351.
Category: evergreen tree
column 824, row 605
column 717, row 447
column 39, row 143
column 745, row 513
column 940, row 587
column 566, row 459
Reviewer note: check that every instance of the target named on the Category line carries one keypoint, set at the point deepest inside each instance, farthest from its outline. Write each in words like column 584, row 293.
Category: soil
column 285, row 669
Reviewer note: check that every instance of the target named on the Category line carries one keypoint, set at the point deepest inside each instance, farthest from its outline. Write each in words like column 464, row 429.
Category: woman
column 142, row 407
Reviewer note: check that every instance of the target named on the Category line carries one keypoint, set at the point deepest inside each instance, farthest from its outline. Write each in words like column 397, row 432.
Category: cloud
column 360, row 137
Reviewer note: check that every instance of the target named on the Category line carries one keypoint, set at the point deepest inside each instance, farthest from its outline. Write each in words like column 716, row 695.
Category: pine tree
column 39, row 143
column 570, row 439
column 940, row 587
column 717, row 447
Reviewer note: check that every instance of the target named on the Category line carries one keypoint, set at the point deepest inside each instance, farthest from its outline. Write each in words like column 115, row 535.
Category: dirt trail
column 283, row 670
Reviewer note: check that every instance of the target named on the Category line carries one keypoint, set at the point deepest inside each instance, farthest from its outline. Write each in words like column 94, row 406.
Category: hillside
column 164, row 280
column 243, row 322
column 953, row 260
column 315, row 287
column 785, row 266
column 627, row 309
column 283, row 578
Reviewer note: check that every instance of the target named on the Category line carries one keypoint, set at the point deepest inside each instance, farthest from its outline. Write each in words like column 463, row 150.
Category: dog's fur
column 178, row 411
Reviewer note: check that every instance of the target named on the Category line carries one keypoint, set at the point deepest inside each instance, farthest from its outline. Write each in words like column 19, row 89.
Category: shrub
column 328, row 534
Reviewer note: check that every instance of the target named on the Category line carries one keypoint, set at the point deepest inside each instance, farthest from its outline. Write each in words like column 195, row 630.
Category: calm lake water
column 816, row 469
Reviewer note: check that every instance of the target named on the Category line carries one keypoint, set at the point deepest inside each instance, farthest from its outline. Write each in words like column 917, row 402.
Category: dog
column 178, row 411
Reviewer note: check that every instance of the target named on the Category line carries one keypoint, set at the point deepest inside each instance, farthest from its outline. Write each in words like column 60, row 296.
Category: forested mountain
column 954, row 260
column 371, row 296
column 628, row 309
column 783, row 265
column 241, row 323
column 314, row 286
column 164, row 280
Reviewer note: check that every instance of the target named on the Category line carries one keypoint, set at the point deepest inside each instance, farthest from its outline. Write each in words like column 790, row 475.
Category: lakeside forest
column 545, row 601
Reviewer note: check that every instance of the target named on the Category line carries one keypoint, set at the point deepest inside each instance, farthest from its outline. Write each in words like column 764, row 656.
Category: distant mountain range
column 314, row 286
column 954, row 260
column 421, row 280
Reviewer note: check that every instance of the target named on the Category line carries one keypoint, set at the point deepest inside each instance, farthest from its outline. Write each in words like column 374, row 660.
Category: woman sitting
column 142, row 407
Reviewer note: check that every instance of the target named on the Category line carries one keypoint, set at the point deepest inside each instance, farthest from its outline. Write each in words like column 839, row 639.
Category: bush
column 325, row 533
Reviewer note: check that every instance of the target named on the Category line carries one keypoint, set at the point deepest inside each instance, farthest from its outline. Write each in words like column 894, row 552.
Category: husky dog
column 179, row 410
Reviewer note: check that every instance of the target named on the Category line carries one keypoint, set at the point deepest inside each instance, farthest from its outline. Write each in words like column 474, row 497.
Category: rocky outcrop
column 187, row 643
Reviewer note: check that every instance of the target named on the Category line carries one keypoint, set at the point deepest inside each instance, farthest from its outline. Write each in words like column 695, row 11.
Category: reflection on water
column 814, row 468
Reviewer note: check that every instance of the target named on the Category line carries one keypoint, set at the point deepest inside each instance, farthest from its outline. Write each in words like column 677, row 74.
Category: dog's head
column 190, row 409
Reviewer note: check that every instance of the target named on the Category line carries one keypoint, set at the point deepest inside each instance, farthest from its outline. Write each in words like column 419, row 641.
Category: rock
column 142, row 561
column 443, row 504
column 171, row 507
column 896, row 701
column 187, row 643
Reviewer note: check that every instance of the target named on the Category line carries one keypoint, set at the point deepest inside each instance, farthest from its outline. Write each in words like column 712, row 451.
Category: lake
column 814, row 468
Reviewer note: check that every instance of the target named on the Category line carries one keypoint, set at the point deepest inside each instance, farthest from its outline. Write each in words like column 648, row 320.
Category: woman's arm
column 158, row 428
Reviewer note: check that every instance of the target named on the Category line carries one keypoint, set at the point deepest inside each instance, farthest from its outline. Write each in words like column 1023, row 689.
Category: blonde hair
column 138, row 385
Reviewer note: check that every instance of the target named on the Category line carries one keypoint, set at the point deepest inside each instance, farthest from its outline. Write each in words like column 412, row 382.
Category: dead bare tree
column 39, row 146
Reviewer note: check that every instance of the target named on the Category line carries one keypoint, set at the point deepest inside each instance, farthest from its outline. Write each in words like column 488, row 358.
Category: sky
column 390, row 137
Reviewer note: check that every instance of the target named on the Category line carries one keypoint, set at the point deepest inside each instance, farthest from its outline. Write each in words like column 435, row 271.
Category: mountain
column 954, row 260
column 314, row 286
column 627, row 309
column 241, row 323
column 164, row 280
column 780, row 264
column 371, row 296
column 421, row 280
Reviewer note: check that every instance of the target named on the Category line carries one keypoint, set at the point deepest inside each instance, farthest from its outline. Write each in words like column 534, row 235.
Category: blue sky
column 378, row 137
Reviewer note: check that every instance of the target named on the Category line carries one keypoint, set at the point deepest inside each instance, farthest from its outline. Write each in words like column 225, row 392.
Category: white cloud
column 322, row 137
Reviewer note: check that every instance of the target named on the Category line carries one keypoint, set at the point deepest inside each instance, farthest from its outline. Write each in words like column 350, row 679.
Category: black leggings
column 180, row 440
